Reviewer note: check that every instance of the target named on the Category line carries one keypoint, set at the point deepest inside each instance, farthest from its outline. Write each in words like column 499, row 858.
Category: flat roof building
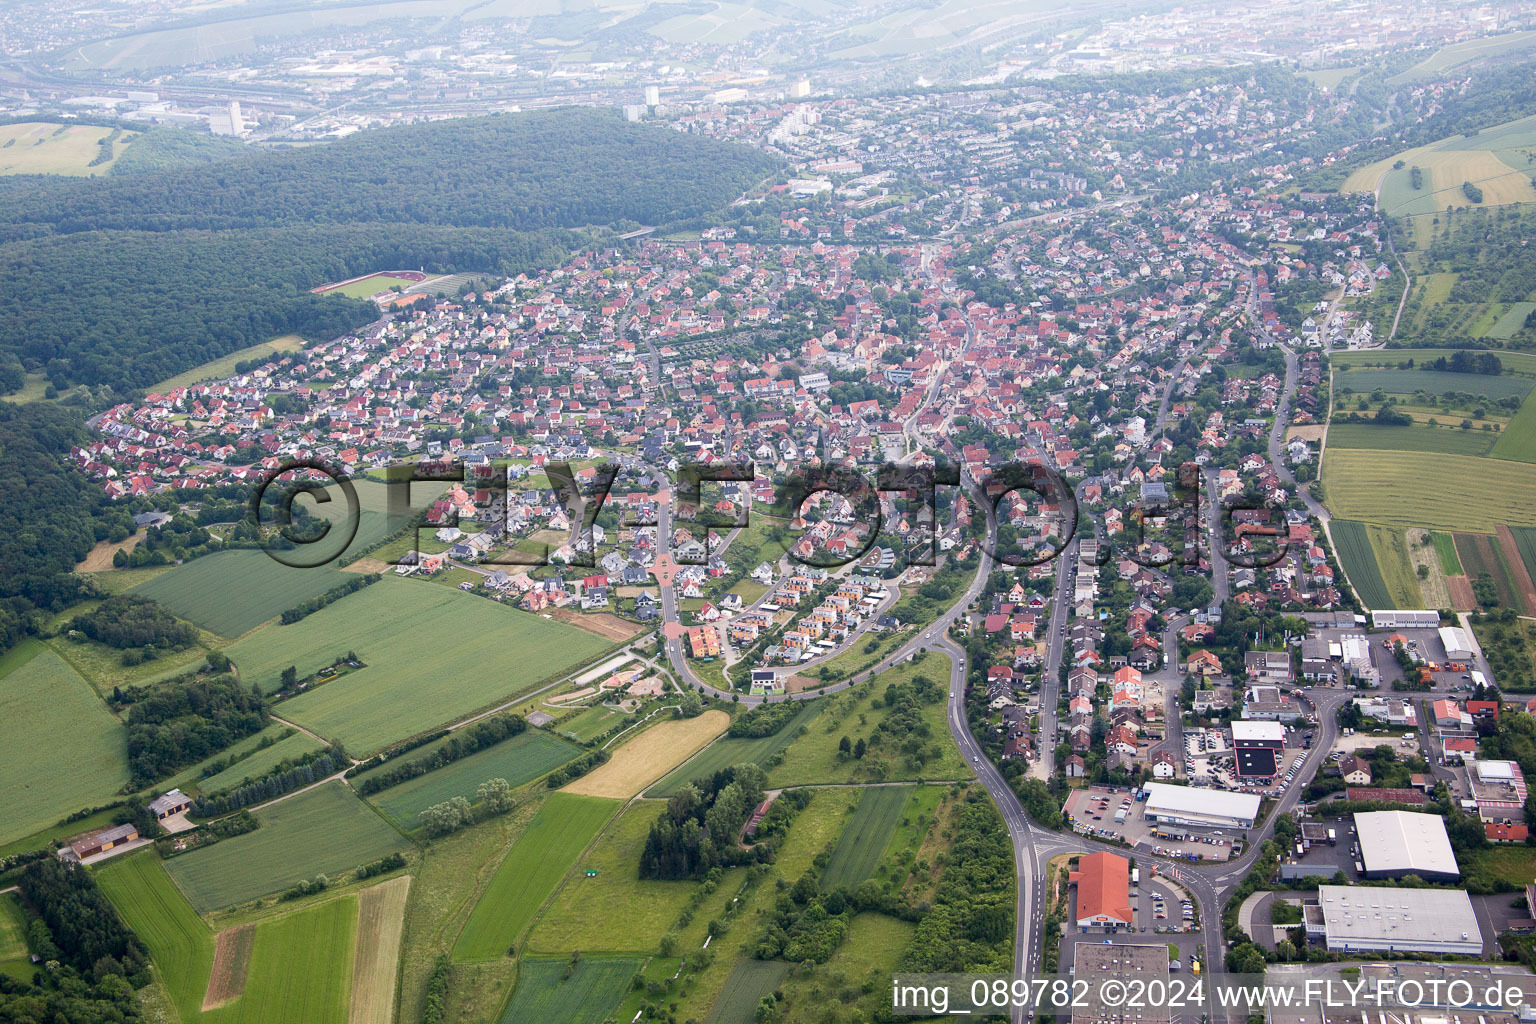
column 1405, row 618
column 1094, row 961
column 1397, row 843
column 1103, row 883
column 1412, row 920
column 1181, row 805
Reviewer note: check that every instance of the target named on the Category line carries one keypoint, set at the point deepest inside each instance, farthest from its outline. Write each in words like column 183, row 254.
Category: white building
column 1182, row 805
column 1405, row 618
column 1397, row 843
column 227, row 121
column 1412, row 920
column 1458, row 646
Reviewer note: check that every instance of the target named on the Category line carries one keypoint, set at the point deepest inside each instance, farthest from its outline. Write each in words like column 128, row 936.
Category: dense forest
column 182, row 721
column 126, row 621
column 130, row 278
column 700, row 826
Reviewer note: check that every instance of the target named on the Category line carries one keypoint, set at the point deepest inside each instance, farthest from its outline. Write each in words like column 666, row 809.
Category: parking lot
column 1208, row 761
column 1092, row 812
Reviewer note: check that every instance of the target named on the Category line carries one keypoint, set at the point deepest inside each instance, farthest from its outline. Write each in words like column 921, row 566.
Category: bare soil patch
column 609, row 627
column 368, row 565
column 231, row 957
column 1462, row 598
column 100, row 557
column 1517, row 569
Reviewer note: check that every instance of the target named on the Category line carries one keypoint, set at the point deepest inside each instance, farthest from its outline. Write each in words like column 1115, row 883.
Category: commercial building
column 1182, row 805
column 1458, row 646
column 1411, row 920
column 1103, row 882
column 1095, row 961
column 1268, row 666
column 1498, row 789
column 1257, row 748
column 1397, row 843
column 1405, row 618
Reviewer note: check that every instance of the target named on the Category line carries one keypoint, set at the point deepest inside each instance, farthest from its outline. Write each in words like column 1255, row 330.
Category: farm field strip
column 728, row 751
column 1523, row 363
column 299, row 969
column 1525, row 544
column 540, row 857
column 1518, row 440
column 233, row 592
column 1481, row 556
column 231, row 963
column 1396, row 567
column 642, row 760
column 865, row 837
column 1442, row 492
column 179, row 943
column 518, row 760
column 1440, row 382
column 749, row 982
column 1513, row 556
column 380, row 921
column 1445, row 548
column 1417, row 438
column 326, row 830
column 1353, row 545
column 545, row 994
column 261, row 762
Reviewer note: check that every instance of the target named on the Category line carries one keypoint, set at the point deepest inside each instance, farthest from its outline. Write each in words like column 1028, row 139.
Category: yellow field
column 1436, row 491
column 1448, row 168
column 34, row 148
column 380, row 918
column 1363, row 179
column 652, row 754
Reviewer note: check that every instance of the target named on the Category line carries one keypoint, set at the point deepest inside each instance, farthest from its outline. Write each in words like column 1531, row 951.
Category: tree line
column 480, row 736
column 699, row 828
column 182, row 721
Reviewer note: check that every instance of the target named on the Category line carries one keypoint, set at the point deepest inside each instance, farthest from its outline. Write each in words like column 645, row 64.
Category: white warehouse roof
column 1454, row 639
column 1430, row 920
column 1243, row 729
column 1215, row 806
column 1402, row 841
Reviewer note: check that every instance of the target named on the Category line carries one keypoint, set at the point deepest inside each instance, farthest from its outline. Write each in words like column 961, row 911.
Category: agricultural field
column 1456, row 54
column 380, row 920
column 409, row 685
column 1481, row 555
column 1417, row 438
column 299, row 969
column 217, row 369
column 550, row 991
column 642, row 760
column 233, row 592
column 1392, row 559
column 14, row 959
column 1352, row 543
column 1511, row 320
column 749, row 982
column 725, row 752
column 870, row 953
column 41, row 147
column 41, row 700
column 1441, row 492
column 518, row 760
column 1445, row 169
column 1525, row 543
column 326, row 830
column 1445, row 549
column 180, row 944
column 814, row 757
column 870, row 827
column 581, row 916
column 296, row 744
column 1521, row 363
column 556, row 836
column 1406, row 382
column 1518, row 440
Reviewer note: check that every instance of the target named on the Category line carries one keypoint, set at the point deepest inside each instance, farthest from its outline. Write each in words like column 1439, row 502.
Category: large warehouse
column 1458, row 646
column 1183, row 805
column 1412, row 920
column 1398, row 843
column 1258, row 748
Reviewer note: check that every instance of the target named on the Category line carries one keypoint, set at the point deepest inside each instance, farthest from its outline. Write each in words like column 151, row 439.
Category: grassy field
column 581, row 916
column 1442, row 492
column 43, row 700
column 814, row 757
column 1445, row 549
column 369, row 286
column 862, row 845
column 380, row 918
column 224, row 366
column 556, row 836
column 300, row 968
column 518, row 760
column 1517, row 442
column 867, row 957
column 546, row 993
column 1521, row 363
column 326, row 830
column 594, row 721
column 1417, row 438
column 725, row 752
column 180, row 944
column 1445, row 169
column 40, row 147
column 643, row 759
column 749, row 982
column 1525, row 542
column 433, row 655
column 1406, row 382
column 1455, row 54
column 14, row 960
column 258, row 764
column 233, row 592
column 1391, row 550
column 1353, row 546
column 1511, row 320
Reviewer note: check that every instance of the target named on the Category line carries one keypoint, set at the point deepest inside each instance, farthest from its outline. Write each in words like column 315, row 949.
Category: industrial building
column 1092, row 962
column 1182, row 805
column 1103, row 882
column 1405, row 618
column 1368, row 919
column 1397, row 843
column 1458, row 646
column 1257, row 747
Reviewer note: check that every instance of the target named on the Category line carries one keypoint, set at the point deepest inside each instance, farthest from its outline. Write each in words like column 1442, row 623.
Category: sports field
column 749, row 982
column 865, row 836
column 233, row 592
column 725, row 752
column 519, row 759
column 326, row 830
column 432, row 655
column 43, row 700
column 41, row 147
column 1448, row 439
column 180, row 944
column 551, row 992
column 1442, row 492
column 1353, row 546
column 642, row 760
column 380, row 920
column 300, row 968
column 366, row 287
column 581, row 916
column 561, row 829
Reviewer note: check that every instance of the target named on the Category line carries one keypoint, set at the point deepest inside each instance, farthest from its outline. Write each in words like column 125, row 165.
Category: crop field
column 1352, row 542
column 231, row 963
column 1450, row 440
column 14, row 960
column 1406, row 382
column 641, row 760
column 518, row 760
column 1445, row 169
column 326, row 830
column 749, row 982
column 1517, row 442
column 380, row 920
column 1391, row 550
column 1511, row 321
column 1445, row 549
column 865, row 836
column 41, row 700
column 1525, row 543
column 581, row 915
column 223, row 366
column 233, row 592
column 545, row 994
column 258, row 764
column 180, row 944
column 1440, row 492
column 1481, row 555
column 556, row 836
column 41, row 147
column 1516, row 563
column 1522, row 363
column 726, row 752
column 432, row 655
column 300, row 968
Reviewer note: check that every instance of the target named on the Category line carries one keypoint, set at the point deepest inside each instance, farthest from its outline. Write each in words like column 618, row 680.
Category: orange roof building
column 1103, row 883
